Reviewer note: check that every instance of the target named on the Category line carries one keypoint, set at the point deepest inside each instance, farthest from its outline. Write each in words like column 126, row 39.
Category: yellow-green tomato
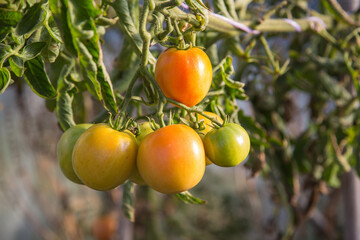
column 104, row 158
column 65, row 148
column 227, row 146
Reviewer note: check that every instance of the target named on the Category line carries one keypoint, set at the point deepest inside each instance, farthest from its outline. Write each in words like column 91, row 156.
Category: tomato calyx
column 122, row 122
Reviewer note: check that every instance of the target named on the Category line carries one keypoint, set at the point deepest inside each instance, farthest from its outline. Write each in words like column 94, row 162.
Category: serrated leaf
column 65, row 98
column 107, row 91
column 17, row 65
column 55, row 34
column 88, row 68
column 187, row 197
column 32, row 20
column 37, row 78
column 4, row 79
column 128, row 200
column 9, row 18
column 64, row 101
column 52, row 49
column 32, row 50
column 5, row 52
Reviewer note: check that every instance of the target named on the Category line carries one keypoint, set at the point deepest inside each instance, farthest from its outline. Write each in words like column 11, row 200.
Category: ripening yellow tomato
column 172, row 159
column 184, row 75
column 104, row 158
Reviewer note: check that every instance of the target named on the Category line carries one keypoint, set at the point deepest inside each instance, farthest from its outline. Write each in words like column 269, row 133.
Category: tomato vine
column 55, row 47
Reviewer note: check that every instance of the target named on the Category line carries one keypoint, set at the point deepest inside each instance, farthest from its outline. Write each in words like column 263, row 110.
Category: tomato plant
column 227, row 146
column 56, row 48
column 172, row 159
column 65, row 149
column 184, row 75
column 104, row 158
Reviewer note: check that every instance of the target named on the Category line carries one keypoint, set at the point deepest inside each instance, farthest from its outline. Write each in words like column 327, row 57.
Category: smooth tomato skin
column 172, row 159
column 184, row 75
column 208, row 127
column 104, row 158
column 227, row 146
column 65, row 148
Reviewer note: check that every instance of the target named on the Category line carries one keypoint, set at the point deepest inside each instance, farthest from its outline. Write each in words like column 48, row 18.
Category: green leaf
column 32, row 50
column 64, row 101
column 37, row 78
column 4, row 79
column 88, row 68
column 65, row 98
column 66, row 32
column 17, row 65
column 4, row 31
column 5, row 52
column 107, row 91
column 128, row 200
column 32, row 20
column 187, row 197
column 52, row 49
column 9, row 18
column 122, row 10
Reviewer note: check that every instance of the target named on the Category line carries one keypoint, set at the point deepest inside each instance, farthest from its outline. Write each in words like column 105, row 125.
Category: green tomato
column 227, row 146
column 65, row 149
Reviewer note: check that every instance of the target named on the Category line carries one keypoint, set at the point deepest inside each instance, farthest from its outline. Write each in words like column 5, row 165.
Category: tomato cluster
column 170, row 159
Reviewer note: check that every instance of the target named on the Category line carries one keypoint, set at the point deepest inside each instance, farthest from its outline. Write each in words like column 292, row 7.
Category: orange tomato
column 208, row 127
column 184, row 75
column 172, row 159
column 104, row 158
column 104, row 228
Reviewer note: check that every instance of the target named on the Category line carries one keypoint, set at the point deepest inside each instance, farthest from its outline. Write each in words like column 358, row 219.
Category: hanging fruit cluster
column 170, row 159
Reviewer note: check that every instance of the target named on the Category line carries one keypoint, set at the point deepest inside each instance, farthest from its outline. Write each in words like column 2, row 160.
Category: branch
column 337, row 7
column 226, row 25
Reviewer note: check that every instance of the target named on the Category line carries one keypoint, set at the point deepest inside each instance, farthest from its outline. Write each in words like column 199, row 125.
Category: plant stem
column 269, row 53
column 164, row 99
column 268, row 25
